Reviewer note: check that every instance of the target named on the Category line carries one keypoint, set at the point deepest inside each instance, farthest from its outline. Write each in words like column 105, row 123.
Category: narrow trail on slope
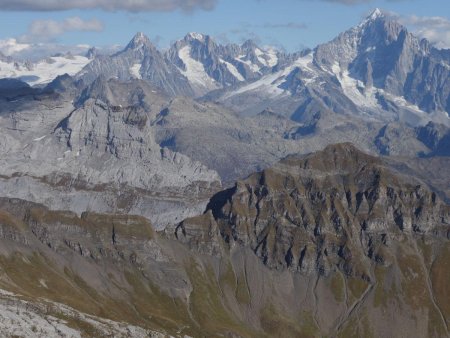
column 355, row 306
column 316, row 306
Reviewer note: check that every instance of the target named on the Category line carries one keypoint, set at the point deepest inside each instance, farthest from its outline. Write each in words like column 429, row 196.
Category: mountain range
column 376, row 69
column 228, row 190
column 141, row 110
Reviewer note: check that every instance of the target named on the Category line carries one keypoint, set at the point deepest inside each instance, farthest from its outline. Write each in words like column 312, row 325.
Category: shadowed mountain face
column 334, row 197
column 331, row 243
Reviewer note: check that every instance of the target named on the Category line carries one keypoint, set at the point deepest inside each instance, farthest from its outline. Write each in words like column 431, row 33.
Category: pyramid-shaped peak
column 376, row 13
column 249, row 45
column 138, row 41
column 139, row 36
column 374, row 16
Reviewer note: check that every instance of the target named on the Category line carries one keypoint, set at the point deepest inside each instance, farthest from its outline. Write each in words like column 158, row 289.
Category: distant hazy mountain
column 192, row 66
column 209, row 66
column 376, row 69
column 44, row 71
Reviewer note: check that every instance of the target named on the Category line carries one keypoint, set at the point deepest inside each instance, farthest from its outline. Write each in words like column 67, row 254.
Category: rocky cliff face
column 97, row 152
column 383, row 52
column 306, row 213
column 338, row 212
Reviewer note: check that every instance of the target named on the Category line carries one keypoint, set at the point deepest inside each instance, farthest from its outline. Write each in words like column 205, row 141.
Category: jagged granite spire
column 139, row 40
column 376, row 13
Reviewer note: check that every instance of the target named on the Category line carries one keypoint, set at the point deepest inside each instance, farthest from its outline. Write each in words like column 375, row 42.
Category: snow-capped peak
column 376, row 14
column 138, row 41
column 195, row 36
column 139, row 36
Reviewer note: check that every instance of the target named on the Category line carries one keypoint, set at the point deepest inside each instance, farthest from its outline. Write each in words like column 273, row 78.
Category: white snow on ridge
column 368, row 102
column 44, row 71
column 233, row 70
column 270, row 84
column 267, row 58
column 196, row 36
column 413, row 115
column 195, row 72
column 305, row 63
column 272, row 57
column 39, row 138
column 351, row 86
column 254, row 68
column 259, row 54
column 135, row 70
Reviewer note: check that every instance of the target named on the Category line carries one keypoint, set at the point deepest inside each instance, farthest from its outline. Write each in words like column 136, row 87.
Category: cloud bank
column 435, row 29
column 107, row 5
column 48, row 29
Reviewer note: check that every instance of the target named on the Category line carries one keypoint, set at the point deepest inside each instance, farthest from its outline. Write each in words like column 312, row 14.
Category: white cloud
column 45, row 30
column 435, row 29
column 108, row 5
column 39, row 51
column 12, row 46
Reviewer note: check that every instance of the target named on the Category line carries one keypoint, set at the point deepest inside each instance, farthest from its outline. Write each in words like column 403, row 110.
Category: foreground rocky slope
column 91, row 148
column 332, row 243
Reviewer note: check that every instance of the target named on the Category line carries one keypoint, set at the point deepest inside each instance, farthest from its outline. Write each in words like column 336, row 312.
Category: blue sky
column 291, row 24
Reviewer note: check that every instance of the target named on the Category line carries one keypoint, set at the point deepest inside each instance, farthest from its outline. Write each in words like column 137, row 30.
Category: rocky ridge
column 376, row 69
column 97, row 153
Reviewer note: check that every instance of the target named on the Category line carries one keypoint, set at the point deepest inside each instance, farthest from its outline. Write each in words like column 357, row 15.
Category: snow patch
column 253, row 67
column 233, row 70
column 305, row 63
column 268, row 58
column 259, row 54
column 195, row 71
column 196, row 36
column 270, row 84
column 43, row 283
column 135, row 70
column 39, row 138
column 272, row 58
column 44, row 71
column 352, row 88
column 366, row 99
